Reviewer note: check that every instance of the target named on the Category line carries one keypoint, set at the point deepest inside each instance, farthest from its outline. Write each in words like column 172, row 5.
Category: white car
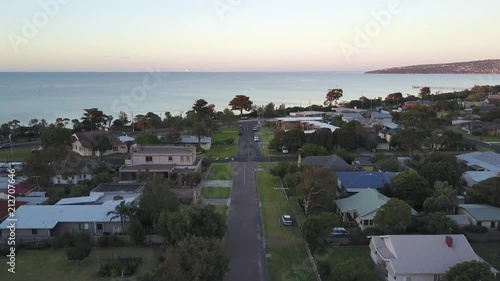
column 284, row 150
column 287, row 220
column 256, row 138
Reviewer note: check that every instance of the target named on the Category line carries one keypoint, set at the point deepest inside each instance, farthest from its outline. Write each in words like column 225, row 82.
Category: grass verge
column 288, row 259
column 50, row 264
column 215, row 192
column 489, row 252
column 220, row 171
column 224, row 150
column 17, row 154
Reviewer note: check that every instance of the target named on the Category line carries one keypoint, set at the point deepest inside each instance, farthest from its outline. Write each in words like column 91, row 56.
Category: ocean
column 24, row 96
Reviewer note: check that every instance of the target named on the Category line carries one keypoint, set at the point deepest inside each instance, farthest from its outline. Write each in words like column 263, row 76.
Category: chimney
column 449, row 241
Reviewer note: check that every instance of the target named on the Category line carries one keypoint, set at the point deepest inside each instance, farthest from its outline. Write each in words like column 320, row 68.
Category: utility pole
column 132, row 121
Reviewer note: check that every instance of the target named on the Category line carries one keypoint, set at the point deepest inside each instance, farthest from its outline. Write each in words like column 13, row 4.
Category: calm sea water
column 51, row 95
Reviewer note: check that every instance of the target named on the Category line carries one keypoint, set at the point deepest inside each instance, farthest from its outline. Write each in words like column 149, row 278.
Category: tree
column 411, row 139
column 434, row 223
column 317, row 227
column 195, row 258
column 92, row 119
column 410, row 187
column 137, row 231
column 162, row 226
column 123, row 211
column 227, row 116
column 196, row 219
column 393, row 217
column 269, row 110
column 142, row 122
column 439, row 166
column 486, row 191
column 444, row 199
column 346, row 270
column 469, row 271
column 294, row 139
column 241, row 102
column 55, row 136
column 332, row 97
column 311, row 149
column 316, row 184
column 78, row 253
column 156, row 199
column 388, row 165
column 424, row 92
column 147, row 138
column 101, row 143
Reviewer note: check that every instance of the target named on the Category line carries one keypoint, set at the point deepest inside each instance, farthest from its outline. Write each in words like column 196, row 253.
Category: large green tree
column 147, row 138
column 434, row 223
column 486, row 191
column 100, row 143
column 241, row 102
column 469, row 271
column 156, row 198
column 123, row 211
column 194, row 258
column 393, row 217
column 55, row 136
column 439, row 166
column 444, row 199
column 311, row 149
column 410, row 187
column 317, row 227
column 332, row 97
column 294, row 139
column 196, row 219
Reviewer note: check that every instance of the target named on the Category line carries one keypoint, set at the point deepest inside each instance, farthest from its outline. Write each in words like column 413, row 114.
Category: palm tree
column 123, row 211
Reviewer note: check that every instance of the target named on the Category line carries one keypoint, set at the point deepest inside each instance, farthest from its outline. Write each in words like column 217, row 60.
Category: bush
column 79, row 252
column 109, row 241
column 475, row 229
column 324, row 269
column 115, row 267
column 229, row 141
column 68, row 239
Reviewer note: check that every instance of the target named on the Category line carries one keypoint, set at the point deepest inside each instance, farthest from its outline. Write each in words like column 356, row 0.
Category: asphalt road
column 494, row 147
column 244, row 237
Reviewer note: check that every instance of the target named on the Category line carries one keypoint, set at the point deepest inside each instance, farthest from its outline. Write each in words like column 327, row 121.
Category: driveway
column 244, row 237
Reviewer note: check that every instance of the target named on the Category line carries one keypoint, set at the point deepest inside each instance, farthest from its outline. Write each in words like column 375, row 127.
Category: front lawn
column 215, row 192
column 224, row 150
column 51, row 265
column 220, row 171
column 489, row 252
column 288, row 259
column 221, row 209
column 17, row 154
column 266, row 134
column 361, row 253
column 482, row 138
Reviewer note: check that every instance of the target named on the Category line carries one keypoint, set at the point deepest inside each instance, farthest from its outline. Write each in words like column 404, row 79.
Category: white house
column 362, row 207
column 205, row 142
column 481, row 161
column 420, row 257
column 83, row 142
column 472, row 178
column 69, row 174
column 481, row 214
column 381, row 117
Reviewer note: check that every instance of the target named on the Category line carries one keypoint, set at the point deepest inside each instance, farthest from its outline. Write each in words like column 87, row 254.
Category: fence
column 300, row 223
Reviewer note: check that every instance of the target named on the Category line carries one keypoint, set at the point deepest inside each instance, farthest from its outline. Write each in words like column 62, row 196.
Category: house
column 161, row 161
column 481, row 161
column 311, row 126
column 493, row 99
column 332, row 162
column 387, row 134
column 40, row 222
column 363, row 163
column 107, row 192
column 481, row 214
column 308, row 114
column 460, row 220
column 5, row 206
column 76, row 172
column 419, row 257
column 288, row 123
column 362, row 207
column 471, row 178
column 84, row 142
column 352, row 116
column 205, row 142
column 382, row 143
column 381, row 117
column 490, row 128
column 409, row 104
column 353, row 182
column 20, row 189
column 485, row 108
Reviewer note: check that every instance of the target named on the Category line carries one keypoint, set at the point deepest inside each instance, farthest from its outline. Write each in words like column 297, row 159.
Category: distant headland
column 491, row 66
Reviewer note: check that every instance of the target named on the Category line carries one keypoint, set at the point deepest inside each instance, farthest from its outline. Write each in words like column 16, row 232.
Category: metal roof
column 356, row 181
column 489, row 160
column 460, row 219
column 48, row 216
column 482, row 212
column 149, row 167
column 332, row 162
column 78, row 200
column 162, row 150
column 194, row 139
column 118, row 187
column 321, row 125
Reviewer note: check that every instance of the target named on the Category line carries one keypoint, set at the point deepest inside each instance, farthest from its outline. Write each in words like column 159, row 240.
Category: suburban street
column 244, row 237
column 493, row 147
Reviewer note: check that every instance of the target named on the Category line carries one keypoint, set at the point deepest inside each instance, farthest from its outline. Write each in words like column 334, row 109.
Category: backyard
column 215, row 192
column 220, row 171
column 287, row 258
column 17, row 154
column 50, row 264
column 224, row 150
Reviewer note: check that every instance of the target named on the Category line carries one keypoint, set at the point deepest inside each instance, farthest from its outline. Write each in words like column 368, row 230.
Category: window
column 492, row 224
column 34, row 231
column 84, row 176
column 170, row 158
column 438, row 277
column 371, row 222
column 365, row 222
column 99, row 226
column 189, row 158
column 115, row 148
column 182, row 158
column 80, row 149
column 479, row 223
column 83, row 226
column 149, row 158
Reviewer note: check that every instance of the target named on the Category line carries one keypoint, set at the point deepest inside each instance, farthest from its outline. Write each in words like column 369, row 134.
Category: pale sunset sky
column 243, row 35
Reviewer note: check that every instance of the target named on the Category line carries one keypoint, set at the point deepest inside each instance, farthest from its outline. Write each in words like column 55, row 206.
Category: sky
column 243, row 35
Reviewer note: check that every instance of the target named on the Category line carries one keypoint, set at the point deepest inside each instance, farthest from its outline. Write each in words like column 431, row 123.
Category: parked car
column 256, row 138
column 287, row 220
column 255, row 128
column 339, row 232
column 284, row 150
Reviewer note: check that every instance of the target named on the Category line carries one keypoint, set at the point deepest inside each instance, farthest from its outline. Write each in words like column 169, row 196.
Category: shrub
column 229, row 141
column 115, row 267
column 63, row 240
column 109, row 241
column 79, row 252
column 475, row 229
